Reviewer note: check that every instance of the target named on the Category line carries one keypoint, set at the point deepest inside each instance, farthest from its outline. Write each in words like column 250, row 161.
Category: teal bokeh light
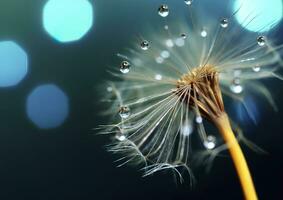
column 47, row 106
column 67, row 20
column 13, row 64
column 258, row 15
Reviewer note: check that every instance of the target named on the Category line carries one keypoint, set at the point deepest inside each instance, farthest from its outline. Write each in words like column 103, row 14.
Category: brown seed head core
column 200, row 89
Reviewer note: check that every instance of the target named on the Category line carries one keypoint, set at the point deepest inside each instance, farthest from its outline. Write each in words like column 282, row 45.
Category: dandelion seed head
column 177, row 87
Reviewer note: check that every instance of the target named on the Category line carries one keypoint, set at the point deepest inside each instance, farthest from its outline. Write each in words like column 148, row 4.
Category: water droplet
column 125, row 67
column 166, row 27
column 180, row 42
column 188, row 2
column 124, row 112
column 184, row 36
column 169, row 43
column 120, row 136
column 158, row 77
column 163, row 10
column 203, row 33
column 224, row 23
column 145, row 45
column 261, row 40
column 256, row 68
column 210, row 142
column 159, row 60
column 198, row 119
column 109, row 89
column 236, row 86
column 165, row 54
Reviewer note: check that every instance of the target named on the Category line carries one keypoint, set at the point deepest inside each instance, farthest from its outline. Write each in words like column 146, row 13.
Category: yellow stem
column 237, row 155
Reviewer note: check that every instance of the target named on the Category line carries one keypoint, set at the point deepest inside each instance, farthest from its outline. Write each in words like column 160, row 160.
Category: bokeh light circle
column 67, row 20
column 258, row 15
column 13, row 64
column 47, row 106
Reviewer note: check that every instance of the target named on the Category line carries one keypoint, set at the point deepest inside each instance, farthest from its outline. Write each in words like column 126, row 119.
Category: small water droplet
column 125, row 67
column 184, row 36
column 236, row 86
column 165, row 54
column 144, row 45
column 120, row 136
column 261, row 40
column 224, row 22
column 158, row 77
column 124, row 112
column 159, row 60
column 163, row 10
column 109, row 89
column 169, row 43
column 180, row 42
column 166, row 27
column 256, row 68
column 203, row 33
column 210, row 142
column 188, row 2
column 198, row 119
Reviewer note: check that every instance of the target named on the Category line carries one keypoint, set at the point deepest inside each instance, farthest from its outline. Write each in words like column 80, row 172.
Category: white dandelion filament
column 178, row 85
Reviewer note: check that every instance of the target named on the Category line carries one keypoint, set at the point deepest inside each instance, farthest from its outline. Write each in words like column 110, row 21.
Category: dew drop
column 124, row 112
column 224, row 22
column 158, row 77
column 169, row 43
column 203, row 33
column 210, row 142
column 188, row 2
column 125, row 67
column 145, row 45
column 159, row 60
column 180, row 42
column 256, row 68
column 184, row 36
column 165, row 54
column 198, row 119
column 109, row 89
column 120, row 136
column 236, row 86
column 261, row 40
column 163, row 10
column 166, row 27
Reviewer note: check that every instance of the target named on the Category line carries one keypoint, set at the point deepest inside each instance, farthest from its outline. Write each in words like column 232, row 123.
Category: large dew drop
column 163, row 10
column 125, row 67
column 188, row 2
column 124, row 112
column 209, row 142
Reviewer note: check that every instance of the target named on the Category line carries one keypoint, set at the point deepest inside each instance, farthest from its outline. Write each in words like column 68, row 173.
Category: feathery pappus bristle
column 172, row 81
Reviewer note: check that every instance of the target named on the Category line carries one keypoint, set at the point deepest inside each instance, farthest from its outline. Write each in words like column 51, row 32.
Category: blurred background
column 53, row 60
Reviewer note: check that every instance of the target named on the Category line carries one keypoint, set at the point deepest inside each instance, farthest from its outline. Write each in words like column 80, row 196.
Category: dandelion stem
column 237, row 155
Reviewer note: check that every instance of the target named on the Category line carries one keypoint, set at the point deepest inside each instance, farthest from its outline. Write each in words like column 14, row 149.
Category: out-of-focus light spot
column 13, row 64
column 47, row 106
column 258, row 15
column 67, row 20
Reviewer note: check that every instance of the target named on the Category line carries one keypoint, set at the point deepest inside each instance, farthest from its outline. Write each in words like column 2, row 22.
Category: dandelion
column 170, row 86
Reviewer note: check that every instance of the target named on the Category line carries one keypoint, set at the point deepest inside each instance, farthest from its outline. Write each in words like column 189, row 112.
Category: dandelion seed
column 174, row 92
